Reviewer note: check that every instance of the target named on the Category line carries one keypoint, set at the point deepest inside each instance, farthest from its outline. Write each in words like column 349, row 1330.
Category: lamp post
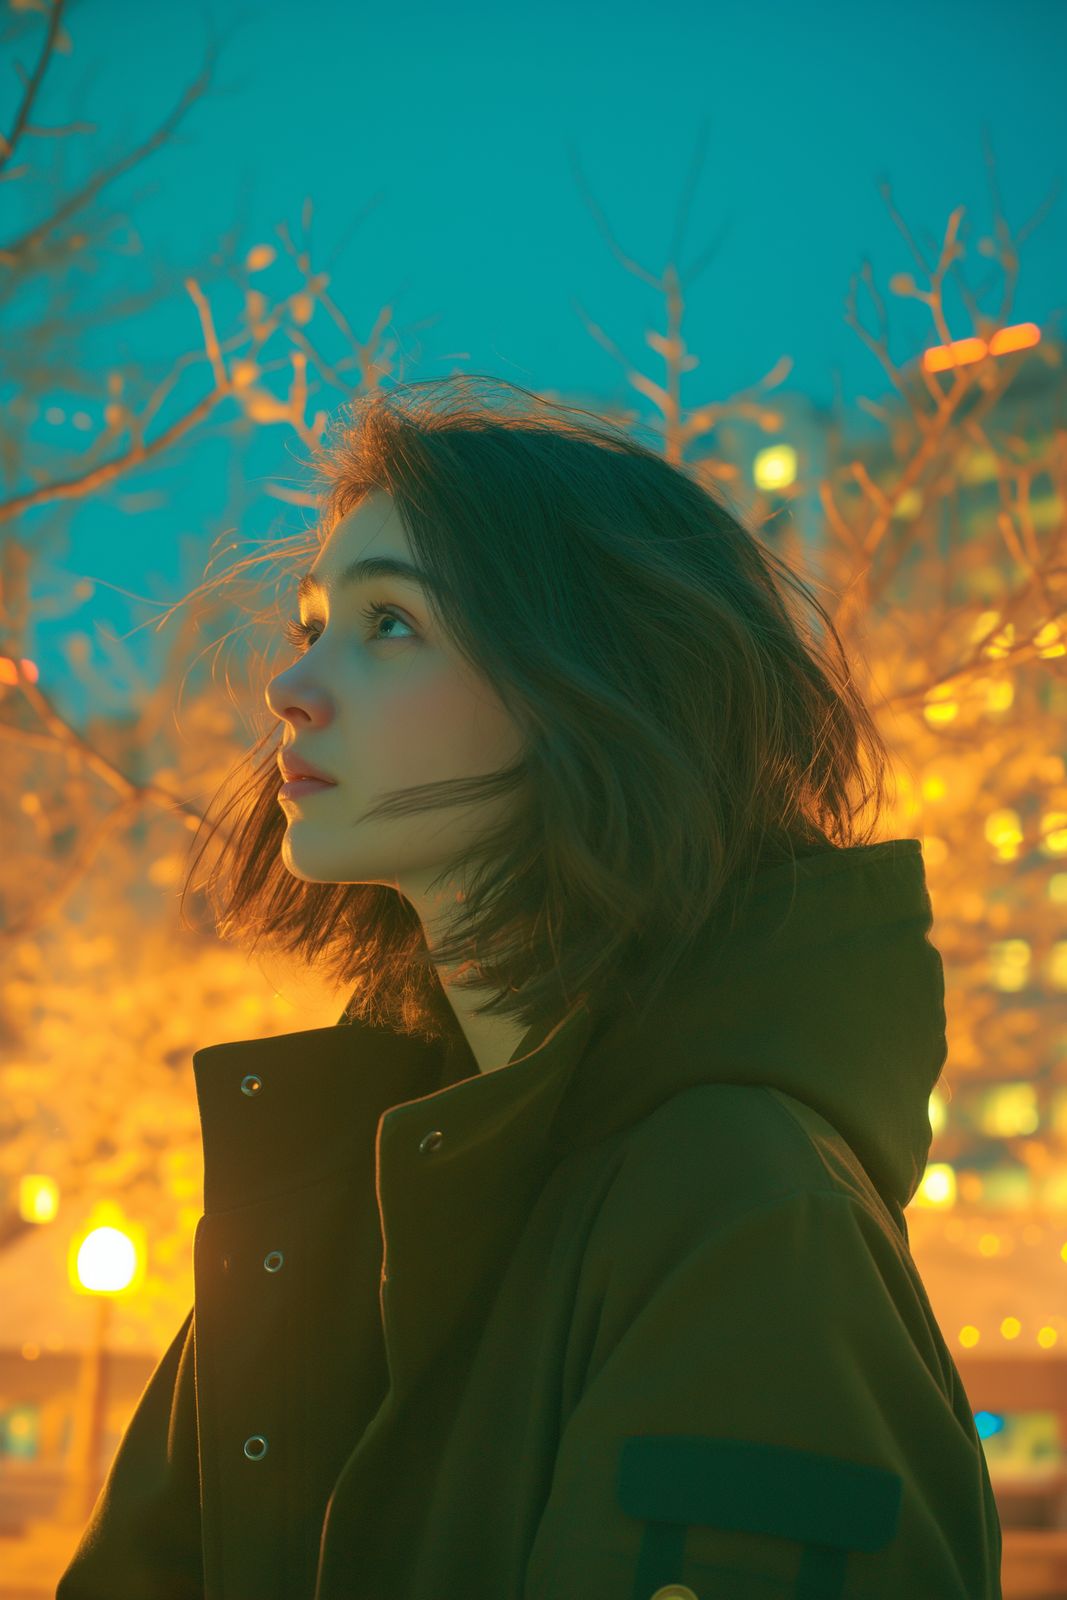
column 106, row 1259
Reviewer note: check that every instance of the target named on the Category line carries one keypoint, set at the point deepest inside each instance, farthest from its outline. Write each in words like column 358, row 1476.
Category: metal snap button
column 256, row 1447
column 273, row 1261
column 431, row 1141
column 251, row 1084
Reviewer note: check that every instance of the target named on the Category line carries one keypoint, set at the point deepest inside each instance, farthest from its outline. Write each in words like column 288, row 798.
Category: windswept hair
column 682, row 727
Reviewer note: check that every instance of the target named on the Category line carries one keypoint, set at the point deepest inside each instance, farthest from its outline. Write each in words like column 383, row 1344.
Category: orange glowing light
column 962, row 352
column 9, row 670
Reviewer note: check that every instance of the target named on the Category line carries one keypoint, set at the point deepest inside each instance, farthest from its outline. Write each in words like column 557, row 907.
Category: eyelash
column 299, row 633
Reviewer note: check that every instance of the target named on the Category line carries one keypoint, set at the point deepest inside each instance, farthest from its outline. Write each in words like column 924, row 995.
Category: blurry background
column 822, row 258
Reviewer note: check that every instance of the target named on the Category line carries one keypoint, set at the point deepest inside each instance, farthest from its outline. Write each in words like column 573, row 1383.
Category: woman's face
column 381, row 703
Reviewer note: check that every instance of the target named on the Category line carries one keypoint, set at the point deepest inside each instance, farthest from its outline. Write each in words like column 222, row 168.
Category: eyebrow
column 362, row 571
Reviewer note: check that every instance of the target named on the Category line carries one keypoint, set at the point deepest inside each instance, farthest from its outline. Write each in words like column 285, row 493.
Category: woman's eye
column 298, row 634
column 302, row 635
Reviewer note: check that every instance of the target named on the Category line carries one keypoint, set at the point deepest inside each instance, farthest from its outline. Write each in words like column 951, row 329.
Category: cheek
column 443, row 728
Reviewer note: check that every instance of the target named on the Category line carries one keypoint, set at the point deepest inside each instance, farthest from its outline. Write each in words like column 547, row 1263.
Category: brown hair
column 681, row 727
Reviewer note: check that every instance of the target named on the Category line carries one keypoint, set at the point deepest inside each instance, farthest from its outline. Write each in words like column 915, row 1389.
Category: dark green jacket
column 647, row 1322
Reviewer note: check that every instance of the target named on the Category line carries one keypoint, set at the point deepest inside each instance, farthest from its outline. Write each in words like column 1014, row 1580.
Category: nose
column 287, row 699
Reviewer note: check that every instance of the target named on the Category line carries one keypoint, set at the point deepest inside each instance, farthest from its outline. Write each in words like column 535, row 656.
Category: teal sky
column 451, row 131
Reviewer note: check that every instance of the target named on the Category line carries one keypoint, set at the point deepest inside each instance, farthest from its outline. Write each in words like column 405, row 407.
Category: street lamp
column 105, row 1259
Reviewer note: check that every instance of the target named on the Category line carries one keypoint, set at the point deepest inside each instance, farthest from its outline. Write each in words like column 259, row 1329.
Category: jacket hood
column 827, row 989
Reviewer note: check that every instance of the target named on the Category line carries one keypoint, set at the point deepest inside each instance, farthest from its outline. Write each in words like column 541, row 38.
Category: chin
column 302, row 865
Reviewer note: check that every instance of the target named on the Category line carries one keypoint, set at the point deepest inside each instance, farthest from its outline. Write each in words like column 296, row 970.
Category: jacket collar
column 828, row 989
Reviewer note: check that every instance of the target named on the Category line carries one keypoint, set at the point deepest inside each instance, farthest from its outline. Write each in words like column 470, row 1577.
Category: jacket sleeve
column 764, row 1417
column 142, row 1541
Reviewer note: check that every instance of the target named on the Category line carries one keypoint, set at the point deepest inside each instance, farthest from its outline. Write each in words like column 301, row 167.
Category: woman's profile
column 572, row 1263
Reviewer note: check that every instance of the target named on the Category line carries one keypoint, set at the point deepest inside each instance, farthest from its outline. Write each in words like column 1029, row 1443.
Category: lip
column 298, row 788
column 294, row 767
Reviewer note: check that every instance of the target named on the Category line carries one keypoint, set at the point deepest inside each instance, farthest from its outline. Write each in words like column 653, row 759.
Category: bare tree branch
column 87, row 482
column 7, row 146
column 13, row 254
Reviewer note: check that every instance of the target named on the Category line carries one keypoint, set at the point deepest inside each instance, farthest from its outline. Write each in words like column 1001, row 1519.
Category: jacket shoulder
column 729, row 1146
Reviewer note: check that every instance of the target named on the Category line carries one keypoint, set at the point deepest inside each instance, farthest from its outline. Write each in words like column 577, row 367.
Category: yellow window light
column 775, row 467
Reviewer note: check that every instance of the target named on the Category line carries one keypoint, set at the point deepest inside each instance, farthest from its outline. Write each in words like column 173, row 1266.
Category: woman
column 574, row 1265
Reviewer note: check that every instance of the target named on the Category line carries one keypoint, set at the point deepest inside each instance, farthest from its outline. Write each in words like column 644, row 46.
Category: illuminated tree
column 959, row 647
column 102, row 1001
column 945, row 549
